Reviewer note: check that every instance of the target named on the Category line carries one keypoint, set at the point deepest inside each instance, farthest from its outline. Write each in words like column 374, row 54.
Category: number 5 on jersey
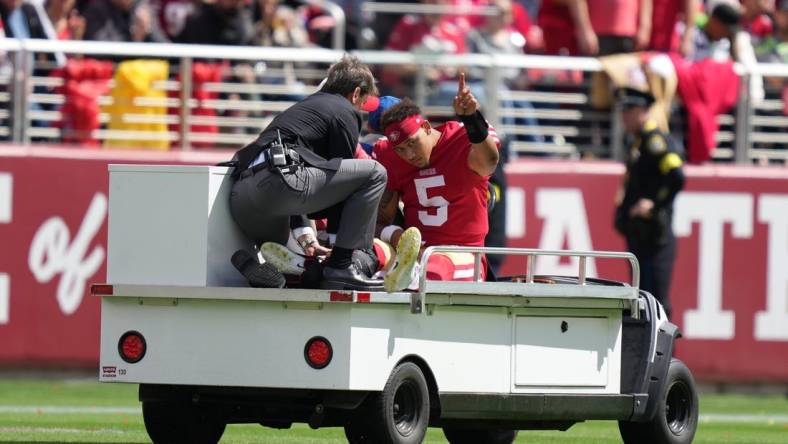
column 442, row 205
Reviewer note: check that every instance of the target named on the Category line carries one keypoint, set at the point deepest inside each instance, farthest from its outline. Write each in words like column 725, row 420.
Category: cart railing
column 418, row 299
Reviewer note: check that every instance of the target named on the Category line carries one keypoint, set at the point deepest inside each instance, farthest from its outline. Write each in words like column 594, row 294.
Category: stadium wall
column 730, row 286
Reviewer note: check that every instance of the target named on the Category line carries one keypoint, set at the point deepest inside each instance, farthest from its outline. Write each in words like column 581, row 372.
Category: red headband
column 398, row 132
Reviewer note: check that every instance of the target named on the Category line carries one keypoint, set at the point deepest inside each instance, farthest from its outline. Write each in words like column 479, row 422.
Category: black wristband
column 476, row 127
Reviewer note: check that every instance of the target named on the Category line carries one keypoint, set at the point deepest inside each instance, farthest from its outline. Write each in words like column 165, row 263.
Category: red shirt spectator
column 591, row 26
column 427, row 33
column 614, row 17
column 663, row 25
column 440, row 35
column 558, row 28
column 521, row 19
column 664, row 18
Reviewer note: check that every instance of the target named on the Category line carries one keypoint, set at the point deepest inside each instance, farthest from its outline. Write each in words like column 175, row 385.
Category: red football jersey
column 447, row 200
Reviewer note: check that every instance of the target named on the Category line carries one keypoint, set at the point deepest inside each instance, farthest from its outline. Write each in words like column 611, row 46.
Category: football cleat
column 401, row 274
column 259, row 275
column 282, row 258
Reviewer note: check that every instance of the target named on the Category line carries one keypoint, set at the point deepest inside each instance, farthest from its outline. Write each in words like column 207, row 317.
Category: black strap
column 476, row 127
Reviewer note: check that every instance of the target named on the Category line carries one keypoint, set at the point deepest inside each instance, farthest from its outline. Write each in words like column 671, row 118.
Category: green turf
column 42, row 427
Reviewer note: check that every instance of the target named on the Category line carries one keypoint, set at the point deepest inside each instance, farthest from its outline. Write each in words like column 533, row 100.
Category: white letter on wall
column 712, row 211
column 564, row 217
column 772, row 324
column 6, row 200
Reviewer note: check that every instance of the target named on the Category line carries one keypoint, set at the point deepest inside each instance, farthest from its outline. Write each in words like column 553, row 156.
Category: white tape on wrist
column 388, row 231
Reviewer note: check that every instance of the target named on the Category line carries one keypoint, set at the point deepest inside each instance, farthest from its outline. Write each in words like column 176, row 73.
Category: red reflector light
column 338, row 296
column 318, row 352
column 101, row 290
column 132, row 347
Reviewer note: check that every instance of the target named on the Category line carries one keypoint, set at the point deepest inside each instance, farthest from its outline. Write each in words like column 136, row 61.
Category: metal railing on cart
column 256, row 83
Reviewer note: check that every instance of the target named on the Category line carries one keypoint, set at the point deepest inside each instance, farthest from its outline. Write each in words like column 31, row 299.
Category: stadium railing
column 274, row 78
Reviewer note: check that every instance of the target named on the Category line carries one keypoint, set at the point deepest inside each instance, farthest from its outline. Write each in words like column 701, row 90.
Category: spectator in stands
column 654, row 177
column 278, row 25
column 776, row 50
column 121, row 21
column 224, row 22
column 171, row 15
column 595, row 27
column 431, row 34
column 531, row 6
column 21, row 19
column 26, row 19
column 665, row 26
column 66, row 20
column 756, row 17
column 722, row 38
column 497, row 35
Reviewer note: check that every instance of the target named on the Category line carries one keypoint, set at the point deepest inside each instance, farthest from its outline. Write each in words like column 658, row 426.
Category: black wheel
column 470, row 436
column 676, row 418
column 176, row 423
column 401, row 412
column 357, row 431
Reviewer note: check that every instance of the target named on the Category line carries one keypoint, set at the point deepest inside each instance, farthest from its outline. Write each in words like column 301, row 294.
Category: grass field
column 83, row 411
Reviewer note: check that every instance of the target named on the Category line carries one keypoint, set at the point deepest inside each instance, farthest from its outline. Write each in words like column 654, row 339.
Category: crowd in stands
column 746, row 31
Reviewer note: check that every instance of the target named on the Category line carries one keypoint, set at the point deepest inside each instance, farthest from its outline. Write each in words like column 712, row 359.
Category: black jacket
column 653, row 172
column 322, row 127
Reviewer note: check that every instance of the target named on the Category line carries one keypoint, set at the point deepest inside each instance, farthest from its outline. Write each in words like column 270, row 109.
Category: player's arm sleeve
column 483, row 157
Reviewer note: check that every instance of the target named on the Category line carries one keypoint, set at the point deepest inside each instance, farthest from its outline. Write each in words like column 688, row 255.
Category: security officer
column 303, row 163
column 654, row 176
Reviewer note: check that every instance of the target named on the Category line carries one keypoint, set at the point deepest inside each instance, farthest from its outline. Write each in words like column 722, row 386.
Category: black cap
column 629, row 97
column 728, row 14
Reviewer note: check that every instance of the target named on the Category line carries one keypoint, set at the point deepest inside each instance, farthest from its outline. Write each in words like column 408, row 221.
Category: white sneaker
column 401, row 274
column 282, row 258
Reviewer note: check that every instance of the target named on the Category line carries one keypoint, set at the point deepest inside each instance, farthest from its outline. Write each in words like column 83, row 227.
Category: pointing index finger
column 461, row 86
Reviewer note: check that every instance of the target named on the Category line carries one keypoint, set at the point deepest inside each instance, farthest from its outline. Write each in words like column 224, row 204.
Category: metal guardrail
column 418, row 299
column 566, row 124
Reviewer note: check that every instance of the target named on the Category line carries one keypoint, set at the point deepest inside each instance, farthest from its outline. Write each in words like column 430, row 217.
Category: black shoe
column 349, row 278
column 259, row 275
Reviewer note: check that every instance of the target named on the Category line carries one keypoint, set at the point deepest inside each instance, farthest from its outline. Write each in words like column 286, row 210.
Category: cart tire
column 676, row 417
column 400, row 414
column 468, row 436
column 357, row 431
column 175, row 423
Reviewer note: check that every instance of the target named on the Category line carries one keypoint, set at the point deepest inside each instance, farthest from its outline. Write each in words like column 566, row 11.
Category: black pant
column 656, row 268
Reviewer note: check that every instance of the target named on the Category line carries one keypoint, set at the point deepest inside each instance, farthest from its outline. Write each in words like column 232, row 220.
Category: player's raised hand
column 465, row 103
